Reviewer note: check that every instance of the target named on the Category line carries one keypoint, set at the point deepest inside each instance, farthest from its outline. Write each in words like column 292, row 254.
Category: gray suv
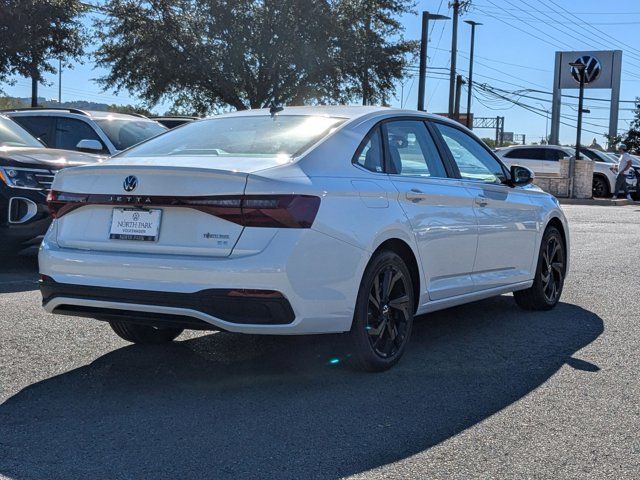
column 86, row 131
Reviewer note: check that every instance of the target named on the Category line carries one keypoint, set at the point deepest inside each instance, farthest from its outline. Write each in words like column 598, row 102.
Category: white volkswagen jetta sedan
column 308, row 220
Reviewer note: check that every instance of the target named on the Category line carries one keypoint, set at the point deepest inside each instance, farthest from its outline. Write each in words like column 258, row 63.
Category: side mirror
column 521, row 176
column 87, row 145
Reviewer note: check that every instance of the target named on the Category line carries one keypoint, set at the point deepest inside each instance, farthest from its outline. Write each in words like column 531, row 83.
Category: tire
column 145, row 334
column 383, row 315
column 547, row 286
column 601, row 187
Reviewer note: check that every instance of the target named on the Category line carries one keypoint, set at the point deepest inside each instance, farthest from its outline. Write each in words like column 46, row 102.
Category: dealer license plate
column 135, row 224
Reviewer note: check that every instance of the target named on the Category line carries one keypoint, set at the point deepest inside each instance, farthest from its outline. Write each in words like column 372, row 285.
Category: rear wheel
column 601, row 187
column 145, row 334
column 547, row 286
column 384, row 313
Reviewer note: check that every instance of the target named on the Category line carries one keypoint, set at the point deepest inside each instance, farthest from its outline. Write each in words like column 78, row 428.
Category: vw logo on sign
column 130, row 183
column 592, row 69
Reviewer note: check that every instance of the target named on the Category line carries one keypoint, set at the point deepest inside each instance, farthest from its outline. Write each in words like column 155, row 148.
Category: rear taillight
column 279, row 211
column 60, row 203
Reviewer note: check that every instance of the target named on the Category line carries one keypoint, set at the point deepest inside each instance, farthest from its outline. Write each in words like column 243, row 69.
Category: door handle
column 481, row 201
column 415, row 194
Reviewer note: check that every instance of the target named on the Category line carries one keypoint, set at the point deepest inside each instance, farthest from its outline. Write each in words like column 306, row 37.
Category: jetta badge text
column 130, row 183
column 127, row 199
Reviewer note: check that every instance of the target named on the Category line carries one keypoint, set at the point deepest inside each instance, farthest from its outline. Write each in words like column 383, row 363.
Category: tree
column 131, row 109
column 215, row 54
column 373, row 52
column 632, row 138
column 33, row 32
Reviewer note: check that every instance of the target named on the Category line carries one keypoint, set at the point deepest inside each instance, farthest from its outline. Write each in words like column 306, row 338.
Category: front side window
column 13, row 135
column 411, row 150
column 69, row 132
column 125, row 133
column 369, row 155
column 554, row 154
column 473, row 160
column 241, row 136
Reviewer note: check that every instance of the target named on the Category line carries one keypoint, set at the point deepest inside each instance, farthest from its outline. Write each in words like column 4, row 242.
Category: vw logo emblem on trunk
column 130, row 183
column 592, row 69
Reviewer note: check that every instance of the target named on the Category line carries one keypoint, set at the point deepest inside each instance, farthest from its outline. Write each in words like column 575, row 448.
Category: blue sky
column 514, row 51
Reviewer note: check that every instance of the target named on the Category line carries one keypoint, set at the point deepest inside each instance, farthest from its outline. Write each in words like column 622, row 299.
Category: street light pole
column 579, row 67
column 426, row 16
column 470, row 85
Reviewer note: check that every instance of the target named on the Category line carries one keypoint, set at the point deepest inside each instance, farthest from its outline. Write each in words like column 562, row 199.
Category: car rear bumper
column 303, row 282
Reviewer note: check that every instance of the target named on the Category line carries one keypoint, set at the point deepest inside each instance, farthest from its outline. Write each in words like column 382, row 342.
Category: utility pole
column 454, row 50
column 365, row 74
column 470, row 85
column 60, row 81
column 456, row 109
column 424, row 40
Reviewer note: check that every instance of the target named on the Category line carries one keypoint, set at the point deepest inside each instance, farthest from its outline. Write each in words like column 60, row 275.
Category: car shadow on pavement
column 231, row 406
column 19, row 272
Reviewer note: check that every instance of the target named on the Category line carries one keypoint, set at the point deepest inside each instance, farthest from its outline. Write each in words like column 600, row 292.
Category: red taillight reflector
column 276, row 211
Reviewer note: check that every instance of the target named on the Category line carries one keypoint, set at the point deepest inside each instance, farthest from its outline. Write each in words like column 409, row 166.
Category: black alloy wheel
column 384, row 313
column 553, row 267
column 548, row 282
column 600, row 187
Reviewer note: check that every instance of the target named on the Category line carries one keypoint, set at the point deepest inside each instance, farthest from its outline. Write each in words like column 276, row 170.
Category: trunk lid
column 182, row 230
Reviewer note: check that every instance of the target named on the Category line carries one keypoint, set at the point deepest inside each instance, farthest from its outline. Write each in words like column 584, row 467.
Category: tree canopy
column 632, row 138
column 35, row 32
column 201, row 54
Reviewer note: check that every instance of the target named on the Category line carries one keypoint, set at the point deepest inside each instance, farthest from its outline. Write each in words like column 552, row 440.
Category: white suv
column 545, row 160
column 300, row 221
column 86, row 131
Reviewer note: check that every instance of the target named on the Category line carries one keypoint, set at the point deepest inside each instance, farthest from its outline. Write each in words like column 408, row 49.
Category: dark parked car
column 175, row 121
column 27, row 169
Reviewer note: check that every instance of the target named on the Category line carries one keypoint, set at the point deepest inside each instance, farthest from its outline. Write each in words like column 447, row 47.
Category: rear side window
column 527, row 154
column 411, row 151
column 369, row 155
column 39, row 127
column 69, row 132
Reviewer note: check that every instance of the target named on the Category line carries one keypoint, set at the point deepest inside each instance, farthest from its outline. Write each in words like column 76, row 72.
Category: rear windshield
column 125, row 133
column 13, row 135
column 244, row 136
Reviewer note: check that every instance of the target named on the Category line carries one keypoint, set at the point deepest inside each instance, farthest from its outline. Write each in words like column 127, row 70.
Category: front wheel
column 547, row 286
column 145, row 334
column 384, row 313
column 600, row 187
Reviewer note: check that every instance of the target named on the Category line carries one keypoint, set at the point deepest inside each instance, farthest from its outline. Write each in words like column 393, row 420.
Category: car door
column 507, row 219
column 439, row 209
column 532, row 158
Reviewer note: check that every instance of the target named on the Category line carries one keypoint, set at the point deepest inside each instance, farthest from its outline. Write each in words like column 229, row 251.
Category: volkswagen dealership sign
column 599, row 71
column 592, row 69
column 602, row 70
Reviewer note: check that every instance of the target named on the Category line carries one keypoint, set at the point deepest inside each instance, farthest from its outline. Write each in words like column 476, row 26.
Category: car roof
column 340, row 111
column 61, row 112
column 532, row 146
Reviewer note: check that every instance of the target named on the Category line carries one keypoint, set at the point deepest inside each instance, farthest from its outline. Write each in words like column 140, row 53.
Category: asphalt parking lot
column 484, row 391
